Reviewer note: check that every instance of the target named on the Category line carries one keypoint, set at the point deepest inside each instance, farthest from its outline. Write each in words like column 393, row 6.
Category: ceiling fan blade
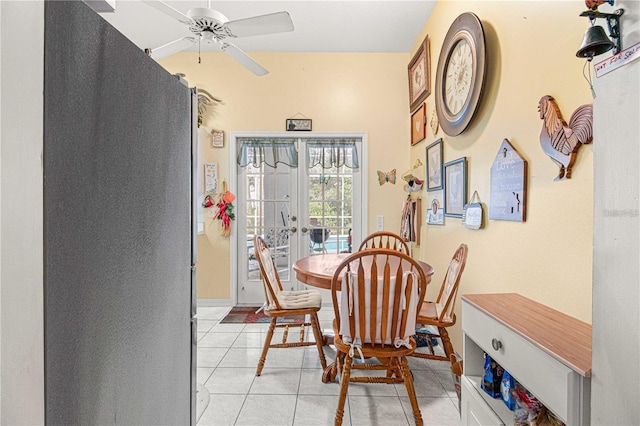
column 172, row 47
column 244, row 59
column 272, row 23
column 168, row 10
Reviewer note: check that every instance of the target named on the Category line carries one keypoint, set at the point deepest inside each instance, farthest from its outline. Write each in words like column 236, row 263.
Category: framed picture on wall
column 418, row 125
column 419, row 73
column 455, row 187
column 434, row 166
column 435, row 214
column 217, row 138
column 298, row 124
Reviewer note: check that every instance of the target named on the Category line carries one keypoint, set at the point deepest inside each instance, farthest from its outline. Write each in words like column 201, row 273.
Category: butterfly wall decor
column 387, row 177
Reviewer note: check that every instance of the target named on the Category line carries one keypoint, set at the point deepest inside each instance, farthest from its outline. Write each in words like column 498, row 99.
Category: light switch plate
column 380, row 223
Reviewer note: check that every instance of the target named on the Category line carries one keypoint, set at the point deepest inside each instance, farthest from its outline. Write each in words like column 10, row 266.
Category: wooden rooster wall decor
column 561, row 141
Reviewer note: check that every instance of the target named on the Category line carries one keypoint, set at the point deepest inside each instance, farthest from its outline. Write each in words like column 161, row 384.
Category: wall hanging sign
column 297, row 123
column 210, row 178
column 561, row 141
column 418, row 125
column 419, row 71
column 472, row 213
column 455, row 187
column 435, row 214
column 217, row 138
column 618, row 60
column 508, row 185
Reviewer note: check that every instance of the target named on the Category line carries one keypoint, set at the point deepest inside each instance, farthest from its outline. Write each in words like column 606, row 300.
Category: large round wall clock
column 460, row 74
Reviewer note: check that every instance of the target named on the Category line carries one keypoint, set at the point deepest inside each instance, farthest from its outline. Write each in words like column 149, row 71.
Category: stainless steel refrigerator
column 119, row 231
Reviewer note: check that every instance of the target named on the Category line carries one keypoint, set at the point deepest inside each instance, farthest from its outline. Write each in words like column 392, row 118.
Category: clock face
column 460, row 74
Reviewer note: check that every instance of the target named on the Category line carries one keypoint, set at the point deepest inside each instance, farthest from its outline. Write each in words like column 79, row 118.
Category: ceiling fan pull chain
column 199, row 38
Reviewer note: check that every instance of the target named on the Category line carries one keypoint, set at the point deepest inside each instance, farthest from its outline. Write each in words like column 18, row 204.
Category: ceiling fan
column 210, row 26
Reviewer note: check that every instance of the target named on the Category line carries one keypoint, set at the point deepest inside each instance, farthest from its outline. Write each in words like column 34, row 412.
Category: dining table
column 317, row 271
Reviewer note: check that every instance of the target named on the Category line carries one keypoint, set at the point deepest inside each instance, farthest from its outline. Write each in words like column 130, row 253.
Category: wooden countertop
column 563, row 337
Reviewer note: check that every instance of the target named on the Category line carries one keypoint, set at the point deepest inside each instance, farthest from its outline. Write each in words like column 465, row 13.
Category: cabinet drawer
column 474, row 409
column 544, row 376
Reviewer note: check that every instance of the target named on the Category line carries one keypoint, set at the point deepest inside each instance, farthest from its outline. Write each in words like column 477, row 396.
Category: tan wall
column 344, row 92
column 549, row 257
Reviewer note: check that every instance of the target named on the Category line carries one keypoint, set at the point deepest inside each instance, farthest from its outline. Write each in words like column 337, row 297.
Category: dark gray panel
column 117, row 228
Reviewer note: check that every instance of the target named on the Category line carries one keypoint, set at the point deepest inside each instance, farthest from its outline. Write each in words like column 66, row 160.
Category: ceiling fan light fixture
column 208, row 37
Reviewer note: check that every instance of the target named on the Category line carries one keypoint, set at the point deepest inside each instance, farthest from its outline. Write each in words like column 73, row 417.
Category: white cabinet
column 547, row 351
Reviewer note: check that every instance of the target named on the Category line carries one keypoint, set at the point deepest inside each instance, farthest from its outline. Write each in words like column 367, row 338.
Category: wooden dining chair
column 281, row 303
column 439, row 314
column 385, row 239
column 376, row 294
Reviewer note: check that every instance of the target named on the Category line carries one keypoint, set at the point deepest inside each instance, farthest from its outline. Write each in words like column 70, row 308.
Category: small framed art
column 434, row 166
column 455, row 187
column 298, row 124
column 418, row 125
column 434, row 212
column 419, row 71
column 217, row 138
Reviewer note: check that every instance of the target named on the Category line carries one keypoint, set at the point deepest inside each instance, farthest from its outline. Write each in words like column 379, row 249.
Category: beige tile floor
column 290, row 390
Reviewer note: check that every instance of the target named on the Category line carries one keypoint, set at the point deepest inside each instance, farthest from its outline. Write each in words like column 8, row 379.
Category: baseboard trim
column 213, row 302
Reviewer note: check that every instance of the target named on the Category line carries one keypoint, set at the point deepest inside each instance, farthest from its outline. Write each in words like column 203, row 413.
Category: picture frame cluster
column 419, row 78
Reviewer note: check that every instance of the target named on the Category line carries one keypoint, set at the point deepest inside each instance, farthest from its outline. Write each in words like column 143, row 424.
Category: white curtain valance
column 269, row 151
column 330, row 153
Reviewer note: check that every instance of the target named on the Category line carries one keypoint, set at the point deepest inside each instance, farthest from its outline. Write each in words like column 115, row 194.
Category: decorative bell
column 594, row 43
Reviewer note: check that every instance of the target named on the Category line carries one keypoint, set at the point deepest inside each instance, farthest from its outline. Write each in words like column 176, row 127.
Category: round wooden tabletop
column 317, row 271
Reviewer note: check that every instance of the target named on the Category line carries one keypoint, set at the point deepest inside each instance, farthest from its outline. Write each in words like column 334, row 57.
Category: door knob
column 304, row 229
column 293, row 229
column 497, row 344
column 293, row 218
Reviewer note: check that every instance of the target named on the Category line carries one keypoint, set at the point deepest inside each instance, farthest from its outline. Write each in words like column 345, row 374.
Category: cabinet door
column 474, row 409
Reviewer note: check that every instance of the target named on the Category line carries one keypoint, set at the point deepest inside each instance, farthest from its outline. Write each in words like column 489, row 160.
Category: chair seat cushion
column 432, row 310
column 428, row 310
column 299, row 299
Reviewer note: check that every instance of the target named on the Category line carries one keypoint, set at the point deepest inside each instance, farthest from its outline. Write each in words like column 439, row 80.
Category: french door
column 302, row 195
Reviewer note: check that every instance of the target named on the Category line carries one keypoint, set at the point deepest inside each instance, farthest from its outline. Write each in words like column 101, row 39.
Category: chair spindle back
column 384, row 239
column 381, row 290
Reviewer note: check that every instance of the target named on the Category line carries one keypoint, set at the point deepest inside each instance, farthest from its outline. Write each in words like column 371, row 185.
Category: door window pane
column 330, row 209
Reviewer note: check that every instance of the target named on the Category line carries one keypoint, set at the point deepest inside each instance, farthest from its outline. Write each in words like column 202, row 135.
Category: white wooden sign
column 508, row 185
column 616, row 61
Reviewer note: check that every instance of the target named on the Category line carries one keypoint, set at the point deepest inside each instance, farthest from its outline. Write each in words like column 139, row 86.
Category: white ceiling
column 320, row 26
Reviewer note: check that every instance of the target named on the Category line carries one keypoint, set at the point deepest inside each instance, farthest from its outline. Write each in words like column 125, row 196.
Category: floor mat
column 248, row 315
